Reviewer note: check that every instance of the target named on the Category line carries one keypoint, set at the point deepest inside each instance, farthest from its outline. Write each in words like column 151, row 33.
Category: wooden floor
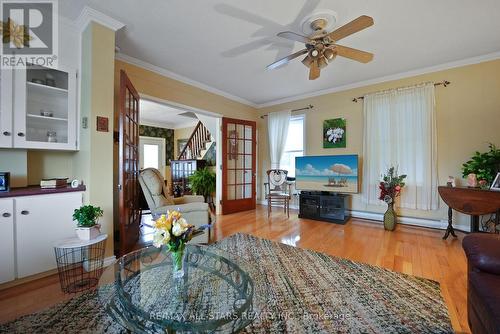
column 410, row 250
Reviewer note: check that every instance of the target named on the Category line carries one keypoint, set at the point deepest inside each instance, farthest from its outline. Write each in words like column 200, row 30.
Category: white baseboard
column 379, row 217
column 109, row 261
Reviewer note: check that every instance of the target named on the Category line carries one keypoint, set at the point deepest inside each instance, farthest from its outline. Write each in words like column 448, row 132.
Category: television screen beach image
column 334, row 173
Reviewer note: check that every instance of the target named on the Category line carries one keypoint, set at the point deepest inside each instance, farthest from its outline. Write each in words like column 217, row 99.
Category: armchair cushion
column 155, row 185
column 188, row 199
column 483, row 252
column 184, row 208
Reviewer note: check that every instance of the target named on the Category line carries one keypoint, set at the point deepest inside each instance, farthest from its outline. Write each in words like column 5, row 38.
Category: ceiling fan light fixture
column 322, row 62
column 329, row 54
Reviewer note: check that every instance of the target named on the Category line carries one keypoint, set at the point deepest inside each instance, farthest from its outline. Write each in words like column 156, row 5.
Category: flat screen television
column 333, row 173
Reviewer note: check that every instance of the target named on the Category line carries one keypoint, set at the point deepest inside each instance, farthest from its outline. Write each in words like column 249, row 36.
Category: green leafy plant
column 87, row 215
column 485, row 165
column 202, row 182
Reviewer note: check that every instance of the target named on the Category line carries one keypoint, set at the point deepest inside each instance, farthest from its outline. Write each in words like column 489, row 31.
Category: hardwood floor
column 410, row 250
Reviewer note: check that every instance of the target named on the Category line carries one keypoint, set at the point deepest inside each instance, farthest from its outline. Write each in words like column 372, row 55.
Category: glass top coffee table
column 215, row 295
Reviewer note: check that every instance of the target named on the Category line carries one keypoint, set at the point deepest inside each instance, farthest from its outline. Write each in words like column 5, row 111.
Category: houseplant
column 390, row 188
column 87, row 217
column 484, row 165
column 202, row 182
column 173, row 231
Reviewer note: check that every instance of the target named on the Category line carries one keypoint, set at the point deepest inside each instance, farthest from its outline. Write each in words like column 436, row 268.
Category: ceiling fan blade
column 314, row 70
column 352, row 27
column 354, row 54
column 294, row 37
column 285, row 60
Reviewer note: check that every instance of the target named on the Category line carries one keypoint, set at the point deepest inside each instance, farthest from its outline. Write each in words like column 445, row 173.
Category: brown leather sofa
column 483, row 292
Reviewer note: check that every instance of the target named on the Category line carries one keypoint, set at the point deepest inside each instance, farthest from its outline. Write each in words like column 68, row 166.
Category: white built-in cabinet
column 29, row 228
column 7, row 260
column 38, row 108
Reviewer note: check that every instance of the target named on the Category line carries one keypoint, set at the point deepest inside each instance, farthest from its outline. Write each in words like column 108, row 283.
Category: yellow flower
column 164, row 223
column 174, row 215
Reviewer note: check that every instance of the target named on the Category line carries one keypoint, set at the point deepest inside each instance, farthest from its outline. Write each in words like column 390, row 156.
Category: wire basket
column 80, row 263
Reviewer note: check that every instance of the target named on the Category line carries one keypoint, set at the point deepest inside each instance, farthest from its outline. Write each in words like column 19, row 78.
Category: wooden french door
column 128, row 166
column 238, row 165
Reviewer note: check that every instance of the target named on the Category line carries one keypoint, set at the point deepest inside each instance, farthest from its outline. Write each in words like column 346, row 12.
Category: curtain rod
column 310, row 106
column 444, row 83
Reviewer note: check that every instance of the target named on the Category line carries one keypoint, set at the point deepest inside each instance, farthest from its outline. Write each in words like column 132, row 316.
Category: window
column 152, row 153
column 400, row 131
column 294, row 146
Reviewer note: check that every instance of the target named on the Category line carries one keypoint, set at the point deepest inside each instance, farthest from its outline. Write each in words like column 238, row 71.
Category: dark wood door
column 238, row 165
column 128, row 165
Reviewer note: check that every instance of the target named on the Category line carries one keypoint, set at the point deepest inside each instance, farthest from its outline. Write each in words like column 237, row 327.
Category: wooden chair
column 278, row 190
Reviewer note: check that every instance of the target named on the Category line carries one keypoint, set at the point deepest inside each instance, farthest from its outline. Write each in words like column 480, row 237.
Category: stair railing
column 196, row 142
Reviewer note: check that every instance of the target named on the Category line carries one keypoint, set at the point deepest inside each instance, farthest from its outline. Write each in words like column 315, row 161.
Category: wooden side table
column 470, row 201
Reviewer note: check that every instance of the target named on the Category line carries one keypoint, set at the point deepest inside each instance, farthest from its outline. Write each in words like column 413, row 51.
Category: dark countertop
column 36, row 190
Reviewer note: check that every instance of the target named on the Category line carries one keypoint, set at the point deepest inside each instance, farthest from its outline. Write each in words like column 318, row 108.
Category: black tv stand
column 323, row 205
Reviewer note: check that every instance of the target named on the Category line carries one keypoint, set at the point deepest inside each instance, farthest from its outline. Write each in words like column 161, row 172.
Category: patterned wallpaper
column 168, row 134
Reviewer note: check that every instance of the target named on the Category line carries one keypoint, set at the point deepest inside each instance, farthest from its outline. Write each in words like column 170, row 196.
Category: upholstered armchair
column 193, row 208
column 278, row 190
column 483, row 288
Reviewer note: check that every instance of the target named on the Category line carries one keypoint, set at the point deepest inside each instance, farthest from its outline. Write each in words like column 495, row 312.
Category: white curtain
column 277, row 127
column 400, row 130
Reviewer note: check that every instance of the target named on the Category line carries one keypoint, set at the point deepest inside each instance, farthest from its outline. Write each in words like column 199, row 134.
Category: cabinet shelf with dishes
column 45, row 117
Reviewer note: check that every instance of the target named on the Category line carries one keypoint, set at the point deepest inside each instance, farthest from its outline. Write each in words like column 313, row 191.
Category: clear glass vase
column 178, row 262
column 390, row 217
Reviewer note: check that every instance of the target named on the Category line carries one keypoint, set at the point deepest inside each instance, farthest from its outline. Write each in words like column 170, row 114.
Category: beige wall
column 158, row 86
column 468, row 116
column 94, row 162
column 15, row 162
column 183, row 133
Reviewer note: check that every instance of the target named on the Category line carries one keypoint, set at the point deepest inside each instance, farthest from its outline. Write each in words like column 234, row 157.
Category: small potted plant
column 87, row 217
column 202, row 182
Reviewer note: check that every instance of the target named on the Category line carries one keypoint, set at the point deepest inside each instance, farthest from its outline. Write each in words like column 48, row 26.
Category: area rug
column 300, row 291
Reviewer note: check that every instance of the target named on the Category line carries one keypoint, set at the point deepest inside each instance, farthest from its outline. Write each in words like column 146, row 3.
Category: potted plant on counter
column 87, row 217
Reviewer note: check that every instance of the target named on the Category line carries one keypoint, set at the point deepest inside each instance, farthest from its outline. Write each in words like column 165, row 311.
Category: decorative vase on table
column 390, row 188
column 390, row 217
column 178, row 262
column 173, row 231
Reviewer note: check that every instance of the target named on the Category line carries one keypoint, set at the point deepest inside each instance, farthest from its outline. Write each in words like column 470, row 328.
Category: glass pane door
column 238, row 165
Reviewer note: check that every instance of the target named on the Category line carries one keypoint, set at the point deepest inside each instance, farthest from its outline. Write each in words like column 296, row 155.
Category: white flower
column 180, row 226
column 161, row 238
column 335, row 134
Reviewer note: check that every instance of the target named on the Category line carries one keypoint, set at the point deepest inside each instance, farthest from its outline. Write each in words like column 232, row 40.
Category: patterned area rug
column 300, row 291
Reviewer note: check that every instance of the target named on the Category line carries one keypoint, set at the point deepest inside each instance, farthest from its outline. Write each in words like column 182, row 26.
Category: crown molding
column 89, row 15
column 402, row 75
column 183, row 79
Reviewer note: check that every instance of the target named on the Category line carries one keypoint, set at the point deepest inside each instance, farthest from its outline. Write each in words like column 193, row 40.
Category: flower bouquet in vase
column 390, row 188
column 173, row 231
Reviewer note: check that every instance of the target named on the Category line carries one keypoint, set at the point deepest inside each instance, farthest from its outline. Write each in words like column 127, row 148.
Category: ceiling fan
column 322, row 48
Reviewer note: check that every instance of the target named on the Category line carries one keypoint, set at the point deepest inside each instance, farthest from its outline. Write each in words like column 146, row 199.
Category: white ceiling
column 163, row 116
column 226, row 44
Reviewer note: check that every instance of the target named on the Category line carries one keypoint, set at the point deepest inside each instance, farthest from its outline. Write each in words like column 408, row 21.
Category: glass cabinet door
column 45, row 108
column 6, row 108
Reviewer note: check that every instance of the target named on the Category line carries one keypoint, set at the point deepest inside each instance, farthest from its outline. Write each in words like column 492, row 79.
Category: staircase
column 198, row 144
